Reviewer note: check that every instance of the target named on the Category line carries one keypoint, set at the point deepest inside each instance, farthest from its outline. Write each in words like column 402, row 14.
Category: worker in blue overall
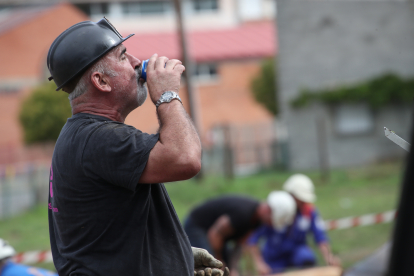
column 9, row 268
column 221, row 225
column 286, row 247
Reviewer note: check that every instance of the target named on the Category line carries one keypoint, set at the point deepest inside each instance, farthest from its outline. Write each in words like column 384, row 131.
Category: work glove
column 206, row 265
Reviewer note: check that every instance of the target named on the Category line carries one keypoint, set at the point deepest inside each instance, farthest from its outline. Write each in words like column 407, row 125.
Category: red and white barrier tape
column 368, row 219
column 31, row 257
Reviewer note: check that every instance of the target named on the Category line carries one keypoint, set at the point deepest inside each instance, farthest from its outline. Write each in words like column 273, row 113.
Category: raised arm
column 177, row 154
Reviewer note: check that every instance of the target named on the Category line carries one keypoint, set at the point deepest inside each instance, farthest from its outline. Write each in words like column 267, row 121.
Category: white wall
column 230, row 13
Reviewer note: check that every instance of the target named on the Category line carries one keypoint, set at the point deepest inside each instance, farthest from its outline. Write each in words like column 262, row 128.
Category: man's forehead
column 121, row 48
column 116, row 52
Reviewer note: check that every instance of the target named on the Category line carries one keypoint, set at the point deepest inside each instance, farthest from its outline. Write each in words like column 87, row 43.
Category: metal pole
column 322, row 148
column 186, row 59
column 189, row 67
column 228, row 153
column 275, row 63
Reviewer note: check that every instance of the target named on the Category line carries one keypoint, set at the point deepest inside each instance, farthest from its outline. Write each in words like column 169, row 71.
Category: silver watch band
column 167, row 97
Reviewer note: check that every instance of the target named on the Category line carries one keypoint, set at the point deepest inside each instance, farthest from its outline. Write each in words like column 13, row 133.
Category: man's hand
column 333, row 260
column 206, row 265
column 263, row 268
column 163, row 75
column 330, row 258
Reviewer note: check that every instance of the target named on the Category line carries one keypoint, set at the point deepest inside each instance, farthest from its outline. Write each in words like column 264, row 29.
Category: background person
column 109, row 213
column 287, row 247
column 228, row 220
column 9, row 268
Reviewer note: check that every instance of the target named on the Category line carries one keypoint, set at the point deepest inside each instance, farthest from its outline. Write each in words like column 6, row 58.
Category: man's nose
column 133, row 60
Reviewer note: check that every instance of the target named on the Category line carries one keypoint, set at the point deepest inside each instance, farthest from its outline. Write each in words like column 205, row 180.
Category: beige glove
column 206, row 265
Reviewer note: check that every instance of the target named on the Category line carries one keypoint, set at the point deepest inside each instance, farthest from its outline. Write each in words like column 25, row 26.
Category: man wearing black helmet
column 108, row 212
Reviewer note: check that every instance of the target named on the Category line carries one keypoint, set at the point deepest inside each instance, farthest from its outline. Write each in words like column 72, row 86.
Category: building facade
column 227, row 53
column 26, row 34
column 329, row 43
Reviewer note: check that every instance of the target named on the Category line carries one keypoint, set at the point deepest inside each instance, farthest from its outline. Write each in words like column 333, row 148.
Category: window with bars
column 205, row 71
column 353, row 119
column 98, row 9
column 146, row 7
column 205, row 5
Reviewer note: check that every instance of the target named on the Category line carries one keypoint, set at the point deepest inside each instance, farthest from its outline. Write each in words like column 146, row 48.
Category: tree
column 44, row 113
column 263, row 86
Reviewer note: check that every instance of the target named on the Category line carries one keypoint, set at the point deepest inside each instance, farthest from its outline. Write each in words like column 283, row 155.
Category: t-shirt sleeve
column 118, row 154
column 318, row 228
column 241, row 215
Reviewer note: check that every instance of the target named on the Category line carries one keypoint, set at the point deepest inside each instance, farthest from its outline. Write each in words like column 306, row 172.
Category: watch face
column 168, row 96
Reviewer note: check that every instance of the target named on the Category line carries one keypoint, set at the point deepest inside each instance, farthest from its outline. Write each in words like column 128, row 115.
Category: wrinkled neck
column 98, row 109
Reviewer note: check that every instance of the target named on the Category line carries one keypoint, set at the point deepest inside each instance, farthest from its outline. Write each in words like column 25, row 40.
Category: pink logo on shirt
column 53, row 209
column 51, row 190
column 51, row 178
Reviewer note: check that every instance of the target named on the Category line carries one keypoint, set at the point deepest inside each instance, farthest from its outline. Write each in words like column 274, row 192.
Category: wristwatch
column 167, row 97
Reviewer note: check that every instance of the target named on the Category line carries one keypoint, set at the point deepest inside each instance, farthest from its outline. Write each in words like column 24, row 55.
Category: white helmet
column 301, row 187
column 283, row 208
column 6, row 250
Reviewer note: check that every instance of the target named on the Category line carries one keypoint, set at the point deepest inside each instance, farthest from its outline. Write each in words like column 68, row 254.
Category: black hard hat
column 80, row 46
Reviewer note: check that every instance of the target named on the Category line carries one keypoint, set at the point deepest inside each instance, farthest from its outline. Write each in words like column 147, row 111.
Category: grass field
column 349, row 192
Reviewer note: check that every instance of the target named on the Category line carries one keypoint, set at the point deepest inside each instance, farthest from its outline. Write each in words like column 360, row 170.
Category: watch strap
column 164, row 99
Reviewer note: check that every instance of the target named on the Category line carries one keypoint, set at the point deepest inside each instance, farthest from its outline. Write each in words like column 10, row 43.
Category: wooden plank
column 317, row 271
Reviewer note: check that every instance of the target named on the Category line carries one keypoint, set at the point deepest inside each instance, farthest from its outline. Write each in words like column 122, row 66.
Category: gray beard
column 142, row 93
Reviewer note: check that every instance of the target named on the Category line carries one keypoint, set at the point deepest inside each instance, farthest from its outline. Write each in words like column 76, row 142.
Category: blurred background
column 274, row 87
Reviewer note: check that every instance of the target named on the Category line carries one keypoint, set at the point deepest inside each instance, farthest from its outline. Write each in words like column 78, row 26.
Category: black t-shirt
column 240, row 209
column 101, row 220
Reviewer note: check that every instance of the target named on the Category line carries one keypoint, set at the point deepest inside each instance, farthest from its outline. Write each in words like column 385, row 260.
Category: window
column 353, row 119
column 8, row 89
column 205, row 71
column 147, row 7
column 86, row 8
column 98, row 9
column 205, row 5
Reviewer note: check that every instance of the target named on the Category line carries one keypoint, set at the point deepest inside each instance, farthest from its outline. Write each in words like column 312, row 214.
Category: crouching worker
column 222, row 225
column 286, row 247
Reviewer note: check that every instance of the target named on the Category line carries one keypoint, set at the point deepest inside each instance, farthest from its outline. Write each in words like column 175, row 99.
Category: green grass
column 28, row 231
column 348, row 192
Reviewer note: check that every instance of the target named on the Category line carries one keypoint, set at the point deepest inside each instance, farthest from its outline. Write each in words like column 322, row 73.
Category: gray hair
column 82, row 86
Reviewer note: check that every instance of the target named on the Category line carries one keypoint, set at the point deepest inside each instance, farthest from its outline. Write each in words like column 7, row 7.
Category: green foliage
column 376, row 92
column 44, row 113
column 263, row 86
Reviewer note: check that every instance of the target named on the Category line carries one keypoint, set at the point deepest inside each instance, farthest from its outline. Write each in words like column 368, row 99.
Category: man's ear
column 101, row 82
